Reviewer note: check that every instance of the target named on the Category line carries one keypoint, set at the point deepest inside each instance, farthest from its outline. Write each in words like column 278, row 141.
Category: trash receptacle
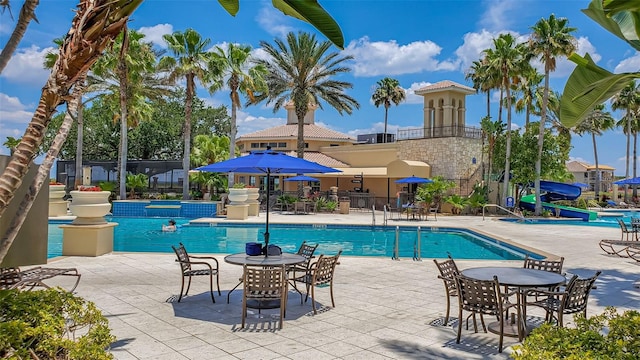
column 344, row 205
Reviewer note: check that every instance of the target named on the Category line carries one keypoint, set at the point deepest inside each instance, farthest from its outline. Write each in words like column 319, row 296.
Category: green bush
column 43, row 324
column 606, row 336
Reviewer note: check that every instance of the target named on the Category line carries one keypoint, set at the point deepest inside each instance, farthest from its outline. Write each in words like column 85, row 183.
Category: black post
column 266, row 233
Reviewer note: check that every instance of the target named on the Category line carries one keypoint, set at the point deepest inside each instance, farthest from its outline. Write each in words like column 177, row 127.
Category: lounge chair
column 14, row 278
column 617, row 247
column 633, row 250
column 626, row 230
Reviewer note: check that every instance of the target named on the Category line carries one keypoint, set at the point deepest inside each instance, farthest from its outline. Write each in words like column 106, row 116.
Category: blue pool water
column 608, row 220
column 144, row 235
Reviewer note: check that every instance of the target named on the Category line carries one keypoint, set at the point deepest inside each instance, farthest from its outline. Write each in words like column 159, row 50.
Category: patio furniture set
column 266, row 278
column 495, row 291
column 629, row 244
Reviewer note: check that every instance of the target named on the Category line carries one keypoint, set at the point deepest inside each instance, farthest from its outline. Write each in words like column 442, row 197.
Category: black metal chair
column 448, row 272
column 306, row 251
column 207, row 268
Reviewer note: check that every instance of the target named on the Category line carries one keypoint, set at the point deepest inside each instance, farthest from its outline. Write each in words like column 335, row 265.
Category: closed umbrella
column 268, row 162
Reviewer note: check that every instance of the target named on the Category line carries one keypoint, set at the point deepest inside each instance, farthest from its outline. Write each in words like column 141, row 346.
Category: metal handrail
column 505, row 209
column 373, row 215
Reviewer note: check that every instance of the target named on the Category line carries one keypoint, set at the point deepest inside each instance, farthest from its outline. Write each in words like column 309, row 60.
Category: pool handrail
column 521, row 217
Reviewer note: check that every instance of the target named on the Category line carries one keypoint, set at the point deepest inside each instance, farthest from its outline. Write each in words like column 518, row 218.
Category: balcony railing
column 440, row 132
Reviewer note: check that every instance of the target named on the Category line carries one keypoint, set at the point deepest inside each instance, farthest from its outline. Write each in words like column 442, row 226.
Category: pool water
column 145, row 235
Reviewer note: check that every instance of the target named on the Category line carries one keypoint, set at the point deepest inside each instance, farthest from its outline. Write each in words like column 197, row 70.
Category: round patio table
column 262, row 260
column 521, row 278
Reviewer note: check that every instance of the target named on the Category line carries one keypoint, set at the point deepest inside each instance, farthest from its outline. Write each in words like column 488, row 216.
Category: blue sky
column 418, row 42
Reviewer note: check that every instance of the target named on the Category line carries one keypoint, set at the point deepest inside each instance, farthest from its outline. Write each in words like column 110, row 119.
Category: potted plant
column 238, row 194
column 89, row 204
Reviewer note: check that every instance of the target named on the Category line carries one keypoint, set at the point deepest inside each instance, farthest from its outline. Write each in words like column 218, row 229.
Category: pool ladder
column 417, row 246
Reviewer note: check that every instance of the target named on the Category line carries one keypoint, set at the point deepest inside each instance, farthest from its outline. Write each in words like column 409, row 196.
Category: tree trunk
column 27, row 13
column 79, row 142
column 543, row 119
column 507, row 162
column 95, row 25
column 626, row 187
column 186, row 160
column 595, row 157
column 43, row 173
column 635, row 163
column 386, row 113
column 232, row 136
column 124, row 115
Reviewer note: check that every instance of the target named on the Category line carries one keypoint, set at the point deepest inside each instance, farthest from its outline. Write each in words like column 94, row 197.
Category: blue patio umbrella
column 413, row 180
column 630, row 181
column 580, row 185
column 302, row 178
column 268, row 162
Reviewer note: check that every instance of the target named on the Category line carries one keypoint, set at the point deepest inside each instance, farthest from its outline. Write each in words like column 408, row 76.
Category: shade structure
column 580, row 185
column 268, row 162
column 630, row 181
column 302, row 178
column 413, row 180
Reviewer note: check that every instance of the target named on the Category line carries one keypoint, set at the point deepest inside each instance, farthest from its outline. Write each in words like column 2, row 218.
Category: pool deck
column 385, row 309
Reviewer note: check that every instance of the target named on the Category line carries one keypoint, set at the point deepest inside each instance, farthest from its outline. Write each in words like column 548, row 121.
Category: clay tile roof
column 319, row 158
column 576, row 166
column 445, row 85
column 311, row 131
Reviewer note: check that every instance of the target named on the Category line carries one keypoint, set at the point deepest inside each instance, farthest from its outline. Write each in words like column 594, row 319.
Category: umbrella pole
column 266, row 233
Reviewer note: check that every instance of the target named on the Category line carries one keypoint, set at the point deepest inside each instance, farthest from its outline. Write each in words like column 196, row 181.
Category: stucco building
column 586, row 173
column 442, row 144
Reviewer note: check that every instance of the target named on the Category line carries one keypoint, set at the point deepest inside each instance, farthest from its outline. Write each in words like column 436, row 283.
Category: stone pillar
column 87, row 240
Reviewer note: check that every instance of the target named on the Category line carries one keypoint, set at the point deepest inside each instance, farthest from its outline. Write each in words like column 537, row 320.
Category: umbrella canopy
column 302, row 178
column 580, row 185
column 413, row 180
column 631, row 181
column 268, row 162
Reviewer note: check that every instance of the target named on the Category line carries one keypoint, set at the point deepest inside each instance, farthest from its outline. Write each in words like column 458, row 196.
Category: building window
column 282, row 145
column 333, row 145
column 255, row 145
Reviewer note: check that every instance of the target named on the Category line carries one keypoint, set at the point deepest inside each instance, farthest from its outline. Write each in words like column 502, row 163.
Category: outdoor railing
column 440, row 132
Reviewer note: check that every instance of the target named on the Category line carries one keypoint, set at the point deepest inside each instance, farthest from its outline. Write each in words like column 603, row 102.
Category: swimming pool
column 606, row 218
column 144, row 235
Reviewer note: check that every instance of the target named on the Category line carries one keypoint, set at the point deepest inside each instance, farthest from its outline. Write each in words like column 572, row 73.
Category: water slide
column 554, row 191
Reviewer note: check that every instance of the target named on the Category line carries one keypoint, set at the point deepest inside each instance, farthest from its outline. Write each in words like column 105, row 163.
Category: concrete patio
column 385, row 309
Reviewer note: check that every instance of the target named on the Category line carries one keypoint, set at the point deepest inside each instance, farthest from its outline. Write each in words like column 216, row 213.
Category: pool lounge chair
column 617, row 247
column 14, row 278
column 633, row 250
column 633, row 230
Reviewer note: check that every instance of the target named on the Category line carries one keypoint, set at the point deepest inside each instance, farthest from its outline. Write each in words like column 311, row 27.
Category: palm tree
column 299, row 70
column 230, row 68
column 528, row 86
column 208, row 150
column 484, row 79
column 191, row 61
column 595, row 123
column 491, row 129
column 11, row 144
column 550, row 38
column 507, row 58
column 126, row 75
column 387, row 92
column 627, row 99
column 27, row 13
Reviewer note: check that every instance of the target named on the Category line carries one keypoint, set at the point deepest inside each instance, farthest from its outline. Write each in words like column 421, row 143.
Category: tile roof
column 578, row 166
column 317, row 157
column 445, row 85
column 311, row 131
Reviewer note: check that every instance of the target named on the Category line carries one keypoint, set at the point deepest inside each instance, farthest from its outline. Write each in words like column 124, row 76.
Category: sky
column 418, row 42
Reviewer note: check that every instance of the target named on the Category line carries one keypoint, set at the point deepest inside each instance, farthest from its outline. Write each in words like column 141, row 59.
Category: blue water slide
column 554, row 191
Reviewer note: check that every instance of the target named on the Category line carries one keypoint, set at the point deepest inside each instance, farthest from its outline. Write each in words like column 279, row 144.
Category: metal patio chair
column 190, row 268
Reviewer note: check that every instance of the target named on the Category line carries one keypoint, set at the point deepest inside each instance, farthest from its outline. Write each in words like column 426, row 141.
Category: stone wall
column 450, row 157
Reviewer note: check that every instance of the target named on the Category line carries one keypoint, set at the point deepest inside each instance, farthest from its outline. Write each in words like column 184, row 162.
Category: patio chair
column 321, row 273
column 307, row 251
column 202, row 268
column 433, row 209
column 554, row 266
column 626, row 231
column 482, row 297
column 262, row 285
column 617, row 247
column 573, row 299
column 448, row 271
column 14, row 278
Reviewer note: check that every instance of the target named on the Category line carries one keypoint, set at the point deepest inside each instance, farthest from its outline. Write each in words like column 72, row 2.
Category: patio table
column 521, row 278
column 265, row 261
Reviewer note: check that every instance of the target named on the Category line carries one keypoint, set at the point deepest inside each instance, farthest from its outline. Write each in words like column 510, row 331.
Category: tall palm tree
column 388, row 91
column 127, row 74
column 300, row 70
column 528, row 86
column 550, row 39
column 627, row 99
column 230, row 68
column 191, row 61
column 27, row 13
column 207, row 150
column 491, row 129
column 597, row 121
column 484, row 79
column 507, row 57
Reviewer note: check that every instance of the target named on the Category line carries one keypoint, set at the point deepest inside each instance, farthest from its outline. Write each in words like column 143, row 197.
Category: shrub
column 606, row 336
column 42, row 325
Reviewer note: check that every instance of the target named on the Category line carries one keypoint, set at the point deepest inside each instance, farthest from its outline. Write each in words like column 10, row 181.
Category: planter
column 56, row 191
column 90, row 207
column 57, row 206
column 238, row 196
column 252, row 194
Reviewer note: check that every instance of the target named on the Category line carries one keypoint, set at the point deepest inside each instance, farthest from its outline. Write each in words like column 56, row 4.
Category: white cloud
column 390, row 58
column 273, row 21
column 26, row 66
column 13, row 111
column 564, row 67
column 475, row 43
column 498, row 14
column 248, row 123
column 412, row 98
column 154, row 34
column 630, row 64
